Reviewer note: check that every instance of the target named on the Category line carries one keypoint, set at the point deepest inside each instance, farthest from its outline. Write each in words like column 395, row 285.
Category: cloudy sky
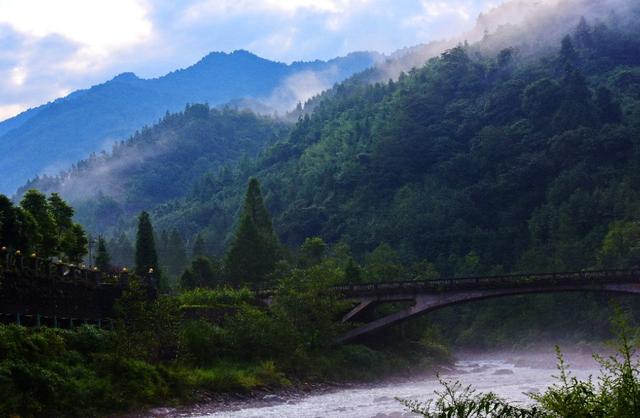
column 49, row 48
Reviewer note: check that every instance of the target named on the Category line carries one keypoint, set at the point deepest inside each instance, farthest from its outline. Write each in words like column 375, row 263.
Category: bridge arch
column 431, row 296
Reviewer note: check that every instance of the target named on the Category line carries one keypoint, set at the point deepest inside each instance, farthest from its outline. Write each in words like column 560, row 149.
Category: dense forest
column 154, row 165
column 475, row 165
column 477, row 162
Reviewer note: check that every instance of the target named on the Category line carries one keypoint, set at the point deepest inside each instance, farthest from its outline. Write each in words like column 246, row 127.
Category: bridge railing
column 496, row 281
column 31, row 266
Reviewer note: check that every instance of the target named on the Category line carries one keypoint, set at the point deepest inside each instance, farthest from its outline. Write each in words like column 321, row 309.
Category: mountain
column 519, row 152
column 49, row 138
column 155, row 164
column 477, row 163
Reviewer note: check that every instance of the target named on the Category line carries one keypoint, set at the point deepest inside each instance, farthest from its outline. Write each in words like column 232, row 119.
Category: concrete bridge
column 427, row 296
column 36, row 291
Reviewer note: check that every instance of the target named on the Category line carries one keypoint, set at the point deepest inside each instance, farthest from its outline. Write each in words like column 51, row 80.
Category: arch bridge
column 426, row 296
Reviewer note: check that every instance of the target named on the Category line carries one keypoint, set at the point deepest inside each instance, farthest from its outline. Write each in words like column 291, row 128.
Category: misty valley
column 438, row 229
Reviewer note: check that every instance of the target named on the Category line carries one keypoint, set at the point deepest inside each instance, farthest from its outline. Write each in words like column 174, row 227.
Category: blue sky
column 49, row 48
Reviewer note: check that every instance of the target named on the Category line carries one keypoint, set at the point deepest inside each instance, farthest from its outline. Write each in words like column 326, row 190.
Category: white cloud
column 437, row 10
column 98, row 25
column 207, row 8
column 18, row 75
column 6, row 111
column 50, row 47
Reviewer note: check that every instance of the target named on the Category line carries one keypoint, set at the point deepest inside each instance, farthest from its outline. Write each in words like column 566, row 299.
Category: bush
column 202, row 343
column 223, row 296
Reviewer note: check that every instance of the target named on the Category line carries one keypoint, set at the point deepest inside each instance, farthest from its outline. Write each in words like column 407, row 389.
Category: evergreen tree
column 352, row 272
column 312, row 251
column 608, row 109
column 121, row 251
column 103, row 260
column 583, row 34
column 146, row 257
column 576, row 108
column 203, row 272
column 568, row 53
column 176, row 255
column 198, row 247
column 8, row 223
column 162, row 246
column 254, row 250
column 75, row 244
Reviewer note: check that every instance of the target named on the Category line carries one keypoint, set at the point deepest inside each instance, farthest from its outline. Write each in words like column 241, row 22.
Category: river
column 507, row 374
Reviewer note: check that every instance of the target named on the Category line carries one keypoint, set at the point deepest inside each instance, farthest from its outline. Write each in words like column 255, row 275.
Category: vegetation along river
column 510, row 375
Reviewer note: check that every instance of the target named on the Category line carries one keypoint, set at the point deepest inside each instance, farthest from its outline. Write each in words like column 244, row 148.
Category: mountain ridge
column 50, row 137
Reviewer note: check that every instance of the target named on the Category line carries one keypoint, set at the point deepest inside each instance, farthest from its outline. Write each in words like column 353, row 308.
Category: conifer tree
column 198, row 247
column 146, row 255
column 176, row 254
column 103, row 260
column 121, row 251
column 568, row 53
column 255, row 249
column 8, row 223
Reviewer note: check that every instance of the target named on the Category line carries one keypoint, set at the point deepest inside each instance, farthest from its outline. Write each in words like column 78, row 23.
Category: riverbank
column 506, row 372
column 206, row 403
column 480, row 368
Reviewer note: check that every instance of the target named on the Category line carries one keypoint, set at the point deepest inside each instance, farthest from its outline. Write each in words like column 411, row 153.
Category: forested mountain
column 155, row 164
column 477, row 163
column 515, row 153
column 51, row 137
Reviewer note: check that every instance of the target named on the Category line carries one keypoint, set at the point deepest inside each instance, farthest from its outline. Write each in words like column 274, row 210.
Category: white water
column 510, row 376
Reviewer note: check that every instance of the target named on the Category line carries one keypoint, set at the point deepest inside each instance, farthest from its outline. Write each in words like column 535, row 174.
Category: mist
column 532, row 27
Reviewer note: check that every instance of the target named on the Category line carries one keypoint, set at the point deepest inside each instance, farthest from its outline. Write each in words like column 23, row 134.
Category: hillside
column 155, row 164
column 513, row 153
column 476, row 163
column 49, row 138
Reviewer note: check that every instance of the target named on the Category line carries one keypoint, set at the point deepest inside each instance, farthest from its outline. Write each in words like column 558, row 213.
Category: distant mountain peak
column 127, row 76
column 49, row 138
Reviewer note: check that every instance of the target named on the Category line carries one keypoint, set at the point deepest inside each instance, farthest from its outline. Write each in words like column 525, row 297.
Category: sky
column 49, row 48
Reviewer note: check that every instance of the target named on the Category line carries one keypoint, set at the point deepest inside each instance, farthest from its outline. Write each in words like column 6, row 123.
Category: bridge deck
column 491, row 282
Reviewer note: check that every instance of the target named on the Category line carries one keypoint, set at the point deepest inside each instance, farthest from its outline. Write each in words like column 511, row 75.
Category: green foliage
column 146, row 255
column 617, row 393
column 36, row 204
column 621, row 246
column 457, row 401
column 476, row 162
column 46, row 372
column 147, row 326
column 42, row 225
column 255, row 249
column 198, row 247
column 221, row 296
column 177, row 254
column 121, row 251
column 382, row 264
column 203, row 343
column 203, row 272
column 103, row 259
column 312, row 251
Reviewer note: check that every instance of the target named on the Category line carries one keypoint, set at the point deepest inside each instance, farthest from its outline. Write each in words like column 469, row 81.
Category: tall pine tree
column 103, row 260
column 146, row 255
column 255, row 249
